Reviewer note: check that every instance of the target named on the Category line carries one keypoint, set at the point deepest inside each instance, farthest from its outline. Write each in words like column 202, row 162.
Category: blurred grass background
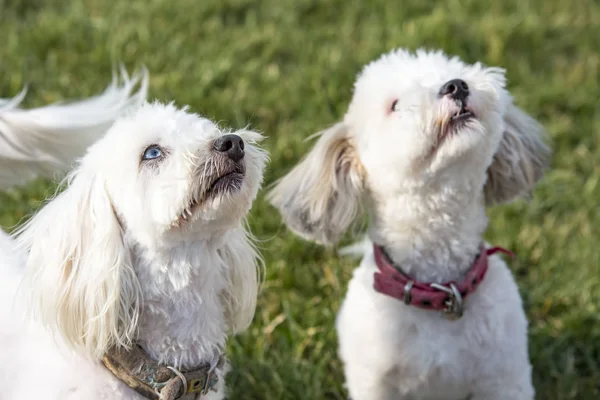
column 286, row 67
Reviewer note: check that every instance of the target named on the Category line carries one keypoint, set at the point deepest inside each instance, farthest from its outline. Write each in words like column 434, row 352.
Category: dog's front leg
column 509, row 391
column 502, row 395
column 365, row 384
column 510, row 381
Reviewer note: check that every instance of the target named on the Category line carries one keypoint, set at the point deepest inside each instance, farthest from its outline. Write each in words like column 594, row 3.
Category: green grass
column 286, row 67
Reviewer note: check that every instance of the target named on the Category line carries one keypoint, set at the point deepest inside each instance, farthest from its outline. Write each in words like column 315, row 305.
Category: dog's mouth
column 464, row 114
column 228, row 182
column 452, row 124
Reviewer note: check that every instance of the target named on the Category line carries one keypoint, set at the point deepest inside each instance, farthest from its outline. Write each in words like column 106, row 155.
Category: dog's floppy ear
column 243, row 273
column 81, row 277
column 520, row 160
column 320, row 197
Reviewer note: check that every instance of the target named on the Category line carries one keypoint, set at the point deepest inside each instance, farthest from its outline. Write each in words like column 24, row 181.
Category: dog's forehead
column 416, row 77
column 161, row 124
column 169, row 121
column 401, row 68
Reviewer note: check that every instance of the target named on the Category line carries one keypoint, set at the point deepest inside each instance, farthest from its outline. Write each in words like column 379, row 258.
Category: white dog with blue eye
column 427, row 143
column 133, row 277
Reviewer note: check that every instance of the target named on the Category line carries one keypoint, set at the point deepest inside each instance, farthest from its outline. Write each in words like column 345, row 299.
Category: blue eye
column 152, row 152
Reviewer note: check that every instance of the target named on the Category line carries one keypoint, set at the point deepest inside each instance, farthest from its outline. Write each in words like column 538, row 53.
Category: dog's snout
column 456, row 89
column 232, row 145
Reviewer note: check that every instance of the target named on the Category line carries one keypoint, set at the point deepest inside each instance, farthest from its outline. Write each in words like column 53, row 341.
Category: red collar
column 447, row 297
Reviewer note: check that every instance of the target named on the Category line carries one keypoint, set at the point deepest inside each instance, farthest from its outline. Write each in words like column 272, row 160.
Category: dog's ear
column 243, row 273
column 81, row 275
column 320, row 197
column 520, row 160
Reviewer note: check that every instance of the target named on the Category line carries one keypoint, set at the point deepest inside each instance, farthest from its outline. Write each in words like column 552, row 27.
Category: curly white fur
column 425, row 189
column 46, row 140
column 121, row 255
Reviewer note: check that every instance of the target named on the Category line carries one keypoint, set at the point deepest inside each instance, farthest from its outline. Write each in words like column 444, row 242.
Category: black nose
column 456, row 88
column 232, row 145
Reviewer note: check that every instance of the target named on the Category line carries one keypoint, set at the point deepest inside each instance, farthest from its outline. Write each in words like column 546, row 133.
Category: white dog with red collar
column 426, row 144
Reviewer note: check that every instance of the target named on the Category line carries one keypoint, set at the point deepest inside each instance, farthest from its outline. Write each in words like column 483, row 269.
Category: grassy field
column 286, row 67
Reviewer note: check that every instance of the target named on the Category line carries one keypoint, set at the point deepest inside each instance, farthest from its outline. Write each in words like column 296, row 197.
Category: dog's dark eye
column 152, row 152
column 394, row 105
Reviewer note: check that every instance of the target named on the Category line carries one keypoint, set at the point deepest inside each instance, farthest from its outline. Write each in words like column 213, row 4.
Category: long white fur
column 46, row 140
column 109, row 261
column 426, row 200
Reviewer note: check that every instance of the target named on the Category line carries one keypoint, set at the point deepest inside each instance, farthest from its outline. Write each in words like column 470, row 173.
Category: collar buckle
column 207, row 383
column 407, row 288
column 454, row 304
column 155, row 381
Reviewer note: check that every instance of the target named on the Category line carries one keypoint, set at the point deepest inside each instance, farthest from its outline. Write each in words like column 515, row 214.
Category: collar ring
column 407, row 288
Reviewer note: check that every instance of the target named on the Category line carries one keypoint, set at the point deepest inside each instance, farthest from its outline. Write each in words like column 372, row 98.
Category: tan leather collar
column 159, row 382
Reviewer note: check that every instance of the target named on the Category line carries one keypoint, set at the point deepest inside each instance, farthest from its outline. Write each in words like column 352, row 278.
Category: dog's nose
column 456, row 88
column 232, row 145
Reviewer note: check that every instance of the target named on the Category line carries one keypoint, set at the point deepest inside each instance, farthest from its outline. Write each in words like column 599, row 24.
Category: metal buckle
column 184, row 382
column 198, row 385
column 407, row 288
column 454, row 304
column 209, row 384
column 201, row 385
